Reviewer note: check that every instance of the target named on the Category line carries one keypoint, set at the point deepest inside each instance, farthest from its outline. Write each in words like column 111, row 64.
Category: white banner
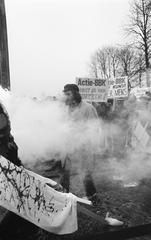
column 93, row 89
column 118, row 87
column 28, row 195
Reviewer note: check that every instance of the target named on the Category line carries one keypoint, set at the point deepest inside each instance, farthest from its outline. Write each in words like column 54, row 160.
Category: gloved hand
column 57, row 187
column 13, row 153
column 11, row 145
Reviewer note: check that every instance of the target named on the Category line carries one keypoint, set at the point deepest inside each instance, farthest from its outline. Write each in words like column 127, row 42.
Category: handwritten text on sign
column 118, row 87
column 92, row 89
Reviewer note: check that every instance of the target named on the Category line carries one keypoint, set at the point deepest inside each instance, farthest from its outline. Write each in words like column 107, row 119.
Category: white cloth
column 28, row 195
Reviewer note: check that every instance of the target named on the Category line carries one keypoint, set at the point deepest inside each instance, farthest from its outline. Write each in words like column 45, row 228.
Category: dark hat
column 71, row 87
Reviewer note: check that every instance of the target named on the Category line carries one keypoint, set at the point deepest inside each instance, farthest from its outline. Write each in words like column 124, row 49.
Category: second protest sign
column 118, row 87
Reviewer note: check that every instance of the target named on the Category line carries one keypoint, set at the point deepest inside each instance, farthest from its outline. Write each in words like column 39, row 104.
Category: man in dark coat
column 9, row 150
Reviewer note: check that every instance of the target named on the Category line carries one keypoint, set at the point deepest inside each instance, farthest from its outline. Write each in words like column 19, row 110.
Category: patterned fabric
column 30, row 196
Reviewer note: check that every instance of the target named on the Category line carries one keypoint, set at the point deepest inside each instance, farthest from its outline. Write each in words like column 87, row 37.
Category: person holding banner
column 9, row 150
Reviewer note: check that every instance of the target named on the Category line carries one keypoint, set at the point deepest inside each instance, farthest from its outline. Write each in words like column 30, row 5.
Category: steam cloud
column 43, row 130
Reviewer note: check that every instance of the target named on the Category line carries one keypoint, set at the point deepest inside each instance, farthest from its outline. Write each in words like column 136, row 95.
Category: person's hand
column 10, row 145
column 56, row 187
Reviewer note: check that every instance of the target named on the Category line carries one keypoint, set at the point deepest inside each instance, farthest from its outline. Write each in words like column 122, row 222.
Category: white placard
column 118, row 87
column 27, row 194
column 93, row 89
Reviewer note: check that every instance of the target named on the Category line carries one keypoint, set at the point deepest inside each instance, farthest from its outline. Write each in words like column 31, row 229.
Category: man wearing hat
column 80, row 111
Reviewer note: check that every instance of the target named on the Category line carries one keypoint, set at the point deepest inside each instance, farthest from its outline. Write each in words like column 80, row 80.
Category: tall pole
column 4, row 56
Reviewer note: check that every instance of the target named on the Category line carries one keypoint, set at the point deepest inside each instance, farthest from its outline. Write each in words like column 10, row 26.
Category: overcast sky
column 51, row 41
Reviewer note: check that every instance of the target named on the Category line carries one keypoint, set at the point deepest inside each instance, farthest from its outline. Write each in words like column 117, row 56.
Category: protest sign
column 93, row 89
column 118, row 87
column 31, row 196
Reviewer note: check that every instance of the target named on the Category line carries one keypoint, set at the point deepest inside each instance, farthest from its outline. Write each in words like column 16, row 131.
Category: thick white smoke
column 43, row 130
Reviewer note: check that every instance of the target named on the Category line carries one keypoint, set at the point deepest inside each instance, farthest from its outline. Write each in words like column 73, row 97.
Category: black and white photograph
column 75, row 119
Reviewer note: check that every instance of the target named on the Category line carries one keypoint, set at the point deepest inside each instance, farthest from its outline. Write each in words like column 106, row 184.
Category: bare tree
column 140, row 27
column 102, row 60
column 128, row 60
column 140, row 67
column 104, row 63
column 93, row 66
column 113, row 60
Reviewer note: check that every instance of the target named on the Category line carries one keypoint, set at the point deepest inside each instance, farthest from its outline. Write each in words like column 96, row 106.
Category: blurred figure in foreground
column 8, row 147
column 9, row 150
